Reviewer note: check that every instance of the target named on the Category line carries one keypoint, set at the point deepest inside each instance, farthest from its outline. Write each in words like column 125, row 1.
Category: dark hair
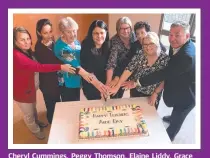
column 88, row 41
column 39, row 26
column 142, row 24
column 21, row 30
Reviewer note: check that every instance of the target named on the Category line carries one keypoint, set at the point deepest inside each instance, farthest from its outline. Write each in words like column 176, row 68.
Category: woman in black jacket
column 94, row 56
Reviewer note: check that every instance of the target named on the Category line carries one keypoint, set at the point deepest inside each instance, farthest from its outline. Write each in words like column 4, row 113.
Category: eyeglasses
column 123, row 29
column 149, row 44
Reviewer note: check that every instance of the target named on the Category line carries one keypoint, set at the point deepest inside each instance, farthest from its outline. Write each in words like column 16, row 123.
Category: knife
column 105, row 99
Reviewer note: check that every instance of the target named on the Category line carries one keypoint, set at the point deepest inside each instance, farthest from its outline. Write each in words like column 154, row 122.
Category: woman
column 94, row 56
column 67, row 49
column 150, row 60
column 23, row 78
column 120, row 48
column 141, row 29
column 48, row 82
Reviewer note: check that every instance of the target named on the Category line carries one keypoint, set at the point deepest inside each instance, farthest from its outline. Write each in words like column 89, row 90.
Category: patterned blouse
column 118, row 52
column 140, row 68
column 71, row 56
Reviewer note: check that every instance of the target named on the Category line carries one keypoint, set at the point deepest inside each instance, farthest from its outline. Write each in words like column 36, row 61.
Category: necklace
column 49, row 44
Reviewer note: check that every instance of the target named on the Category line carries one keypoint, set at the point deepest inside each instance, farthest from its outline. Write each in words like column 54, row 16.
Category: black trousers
column 50, row 101
column 119, row 94
column 70, row 94
column 90, row 92
column 135, row 93
column 178, row 116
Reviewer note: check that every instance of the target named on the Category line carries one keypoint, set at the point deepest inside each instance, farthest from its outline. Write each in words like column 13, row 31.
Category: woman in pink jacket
column 24, row 69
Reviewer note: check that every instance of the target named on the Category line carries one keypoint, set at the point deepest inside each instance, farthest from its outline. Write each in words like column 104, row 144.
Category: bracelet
column 77, row 71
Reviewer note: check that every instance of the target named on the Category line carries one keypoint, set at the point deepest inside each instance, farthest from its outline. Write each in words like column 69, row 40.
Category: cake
column 111, row 121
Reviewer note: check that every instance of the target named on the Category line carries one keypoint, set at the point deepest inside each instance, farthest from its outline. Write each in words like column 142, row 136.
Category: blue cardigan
column 69, row 56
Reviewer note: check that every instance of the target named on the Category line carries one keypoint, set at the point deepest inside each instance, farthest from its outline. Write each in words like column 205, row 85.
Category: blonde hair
column 155, row 39
column 66, row 23
column 123, row 20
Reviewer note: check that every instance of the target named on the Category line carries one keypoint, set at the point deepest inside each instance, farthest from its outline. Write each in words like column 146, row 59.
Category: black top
column 94, row 61
column 179, row 77
column 48, row 82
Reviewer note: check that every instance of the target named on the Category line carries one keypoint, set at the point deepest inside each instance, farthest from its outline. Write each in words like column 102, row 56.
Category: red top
column 23, row 76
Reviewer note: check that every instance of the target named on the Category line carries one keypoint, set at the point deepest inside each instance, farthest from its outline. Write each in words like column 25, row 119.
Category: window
column 168, row 19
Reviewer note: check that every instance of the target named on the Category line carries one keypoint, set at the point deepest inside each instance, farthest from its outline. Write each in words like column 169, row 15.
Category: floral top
column 118, row 52
column 140, row 68
column 71, row 56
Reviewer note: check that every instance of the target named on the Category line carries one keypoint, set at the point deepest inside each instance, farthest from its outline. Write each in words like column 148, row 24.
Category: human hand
column 103, row 89
column 104, row 97
column 128, row 85
column 152, row 99
column 107, row 83
column 114, row 82
column 68, row 68
column 88, row 77
column 114, row 90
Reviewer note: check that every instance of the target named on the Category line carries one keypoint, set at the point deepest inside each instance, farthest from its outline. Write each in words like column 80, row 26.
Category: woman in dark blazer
column 48, row 82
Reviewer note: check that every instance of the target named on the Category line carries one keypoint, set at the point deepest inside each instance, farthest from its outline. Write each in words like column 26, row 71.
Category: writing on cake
column 111, row 121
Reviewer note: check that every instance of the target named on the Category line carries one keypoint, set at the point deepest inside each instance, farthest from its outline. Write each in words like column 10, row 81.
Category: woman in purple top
column 45, row 55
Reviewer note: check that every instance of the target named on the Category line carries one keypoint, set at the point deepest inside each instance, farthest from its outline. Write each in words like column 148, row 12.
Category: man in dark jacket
column 179, row 77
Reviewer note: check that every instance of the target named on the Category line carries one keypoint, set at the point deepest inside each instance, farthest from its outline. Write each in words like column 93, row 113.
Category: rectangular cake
column 111, row 121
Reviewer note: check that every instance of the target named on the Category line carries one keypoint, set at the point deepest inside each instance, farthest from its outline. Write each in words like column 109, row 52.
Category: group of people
column 103, row 67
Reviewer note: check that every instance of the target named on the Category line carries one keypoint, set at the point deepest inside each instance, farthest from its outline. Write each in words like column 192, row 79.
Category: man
column 179, row 77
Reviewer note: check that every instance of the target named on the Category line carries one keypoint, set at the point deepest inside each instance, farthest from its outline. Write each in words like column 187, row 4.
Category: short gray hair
column 123, row 20
column 184, row 25
column 66, row 23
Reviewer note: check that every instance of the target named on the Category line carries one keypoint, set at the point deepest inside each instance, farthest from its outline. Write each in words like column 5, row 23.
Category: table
column 65, row 124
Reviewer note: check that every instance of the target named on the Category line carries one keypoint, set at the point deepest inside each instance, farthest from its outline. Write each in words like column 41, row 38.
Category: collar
column 175, row 50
